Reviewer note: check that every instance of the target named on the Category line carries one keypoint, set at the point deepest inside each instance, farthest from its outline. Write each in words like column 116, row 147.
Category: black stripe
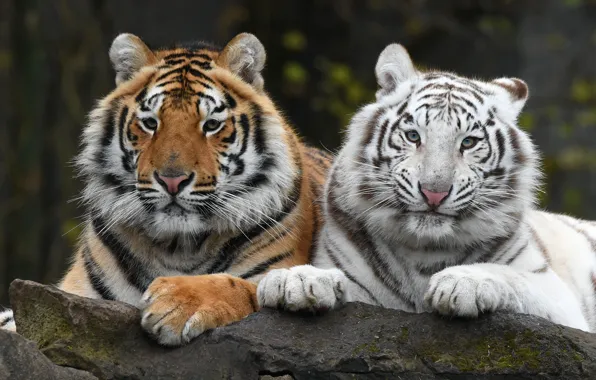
column 259, row 134
column 199, row 74
column 245, row 126
column 516, row 254
column 127, row 161
column 429, row 270
column 202, row 64
column 350, row 277
column 177, row 70
column 174, row 62
column 380, row 140
column 501, row 146
column 264, row 266
column 231, row 138
column 230, row 251
column 109, row 121
column 96, row 276
column 132, row 267
column 355, row 232
column 230, row 101
column 5, row 321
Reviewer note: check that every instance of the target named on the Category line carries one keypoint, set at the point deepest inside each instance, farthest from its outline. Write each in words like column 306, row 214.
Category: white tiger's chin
column 430, row 227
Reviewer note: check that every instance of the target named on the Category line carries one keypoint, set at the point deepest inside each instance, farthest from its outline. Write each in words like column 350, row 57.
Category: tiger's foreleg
column 468, row 290
column 177, row 309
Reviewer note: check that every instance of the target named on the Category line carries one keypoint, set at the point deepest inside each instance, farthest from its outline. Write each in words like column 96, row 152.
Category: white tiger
column 430, row 207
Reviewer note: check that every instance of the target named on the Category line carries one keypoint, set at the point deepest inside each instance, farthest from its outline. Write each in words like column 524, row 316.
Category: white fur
column 498, row 252
column 7, row 320
column 303, row 287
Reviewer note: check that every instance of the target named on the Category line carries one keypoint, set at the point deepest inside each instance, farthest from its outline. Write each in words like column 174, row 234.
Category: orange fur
column 118, row 260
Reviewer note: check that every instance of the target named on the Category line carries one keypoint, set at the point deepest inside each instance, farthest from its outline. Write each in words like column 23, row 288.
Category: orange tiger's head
column 188, row 140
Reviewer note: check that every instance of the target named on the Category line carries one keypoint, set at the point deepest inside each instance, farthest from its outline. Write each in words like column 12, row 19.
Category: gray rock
column 358, row 341
column 21, row 360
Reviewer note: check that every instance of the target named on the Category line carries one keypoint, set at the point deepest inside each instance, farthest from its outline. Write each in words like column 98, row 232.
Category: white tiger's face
column 439, row 157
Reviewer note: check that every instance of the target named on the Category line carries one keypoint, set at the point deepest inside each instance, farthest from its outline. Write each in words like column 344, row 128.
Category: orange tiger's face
column 189, row 142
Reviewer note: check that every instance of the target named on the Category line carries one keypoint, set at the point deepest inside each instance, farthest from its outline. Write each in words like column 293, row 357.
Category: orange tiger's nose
column 172, row 183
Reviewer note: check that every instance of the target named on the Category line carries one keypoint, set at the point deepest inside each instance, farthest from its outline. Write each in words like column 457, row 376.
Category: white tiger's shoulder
column 566, row 240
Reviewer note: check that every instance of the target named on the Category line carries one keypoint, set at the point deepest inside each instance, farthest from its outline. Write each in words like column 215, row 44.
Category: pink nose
column 171, row 184
column 432, row 198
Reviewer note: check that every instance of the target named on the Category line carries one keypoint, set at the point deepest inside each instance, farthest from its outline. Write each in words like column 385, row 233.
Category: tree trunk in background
column 6, row 20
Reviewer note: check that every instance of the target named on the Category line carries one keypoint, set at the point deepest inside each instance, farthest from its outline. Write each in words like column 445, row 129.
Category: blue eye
column 469, row 142
column 413, row 136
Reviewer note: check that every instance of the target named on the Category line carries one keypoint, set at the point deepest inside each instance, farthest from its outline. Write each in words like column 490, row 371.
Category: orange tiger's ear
column 128, row 55
column 245, row 56
column 393, row 67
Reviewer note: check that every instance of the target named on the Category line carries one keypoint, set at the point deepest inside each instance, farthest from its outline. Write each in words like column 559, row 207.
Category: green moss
column 489, row 353
column 54, row 335
column 47, row 326
column 405, row 333
column 370, row 348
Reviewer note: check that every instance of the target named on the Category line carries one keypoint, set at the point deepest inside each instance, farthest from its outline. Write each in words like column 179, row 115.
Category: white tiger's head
column 438, row 158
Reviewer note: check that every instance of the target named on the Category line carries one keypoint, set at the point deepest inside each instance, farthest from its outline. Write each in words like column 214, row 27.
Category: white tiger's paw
column 7, row 319
column 465, row 291
column 303, row 288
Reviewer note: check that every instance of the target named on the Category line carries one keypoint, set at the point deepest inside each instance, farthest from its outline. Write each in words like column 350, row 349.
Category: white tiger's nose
column 432, row 198
column 433, row 195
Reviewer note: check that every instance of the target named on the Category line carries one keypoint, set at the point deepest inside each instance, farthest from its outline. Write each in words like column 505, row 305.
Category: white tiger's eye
column 469, row 142
column 211, row 125
column 413, row 136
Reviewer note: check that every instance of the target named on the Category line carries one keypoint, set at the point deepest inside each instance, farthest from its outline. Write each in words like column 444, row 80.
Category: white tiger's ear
column 517, row 90
column 393, row 67
column 129, row 54
column 245, row 56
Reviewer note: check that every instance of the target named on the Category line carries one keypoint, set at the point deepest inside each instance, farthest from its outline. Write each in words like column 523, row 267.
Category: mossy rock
column 357, row 341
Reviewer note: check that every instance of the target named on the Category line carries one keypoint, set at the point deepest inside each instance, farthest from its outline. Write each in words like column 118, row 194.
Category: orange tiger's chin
column 169, row 222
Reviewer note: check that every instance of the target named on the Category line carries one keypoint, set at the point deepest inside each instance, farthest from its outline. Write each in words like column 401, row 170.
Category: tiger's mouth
column 174, row 209
column 430, row 213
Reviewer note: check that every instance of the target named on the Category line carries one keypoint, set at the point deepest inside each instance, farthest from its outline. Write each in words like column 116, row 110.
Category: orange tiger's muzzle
column 179, row 155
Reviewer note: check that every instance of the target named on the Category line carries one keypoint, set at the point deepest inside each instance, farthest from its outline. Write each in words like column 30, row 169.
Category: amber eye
column 211, row 125
column 469, row 142
column 150, row 123
column 413, row 136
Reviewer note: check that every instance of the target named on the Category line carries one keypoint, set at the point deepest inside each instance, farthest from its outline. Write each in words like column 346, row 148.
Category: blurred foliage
column 320, row 69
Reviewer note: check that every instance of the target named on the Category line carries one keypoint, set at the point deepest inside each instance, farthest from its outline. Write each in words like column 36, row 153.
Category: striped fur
column 484, row 247
column 6, row 319
column 247, row 203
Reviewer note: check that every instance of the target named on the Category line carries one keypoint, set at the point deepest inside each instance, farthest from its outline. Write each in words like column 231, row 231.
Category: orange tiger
column 196, row 186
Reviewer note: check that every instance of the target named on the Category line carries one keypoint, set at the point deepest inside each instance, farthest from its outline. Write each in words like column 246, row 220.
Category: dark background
column 321, row 54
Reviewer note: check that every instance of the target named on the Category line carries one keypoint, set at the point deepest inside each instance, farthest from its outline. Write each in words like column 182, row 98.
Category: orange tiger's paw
column 178, row 309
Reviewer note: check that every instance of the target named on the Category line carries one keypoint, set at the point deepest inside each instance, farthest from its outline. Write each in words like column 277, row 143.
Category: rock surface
column 358, row 341
column 20, row 359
